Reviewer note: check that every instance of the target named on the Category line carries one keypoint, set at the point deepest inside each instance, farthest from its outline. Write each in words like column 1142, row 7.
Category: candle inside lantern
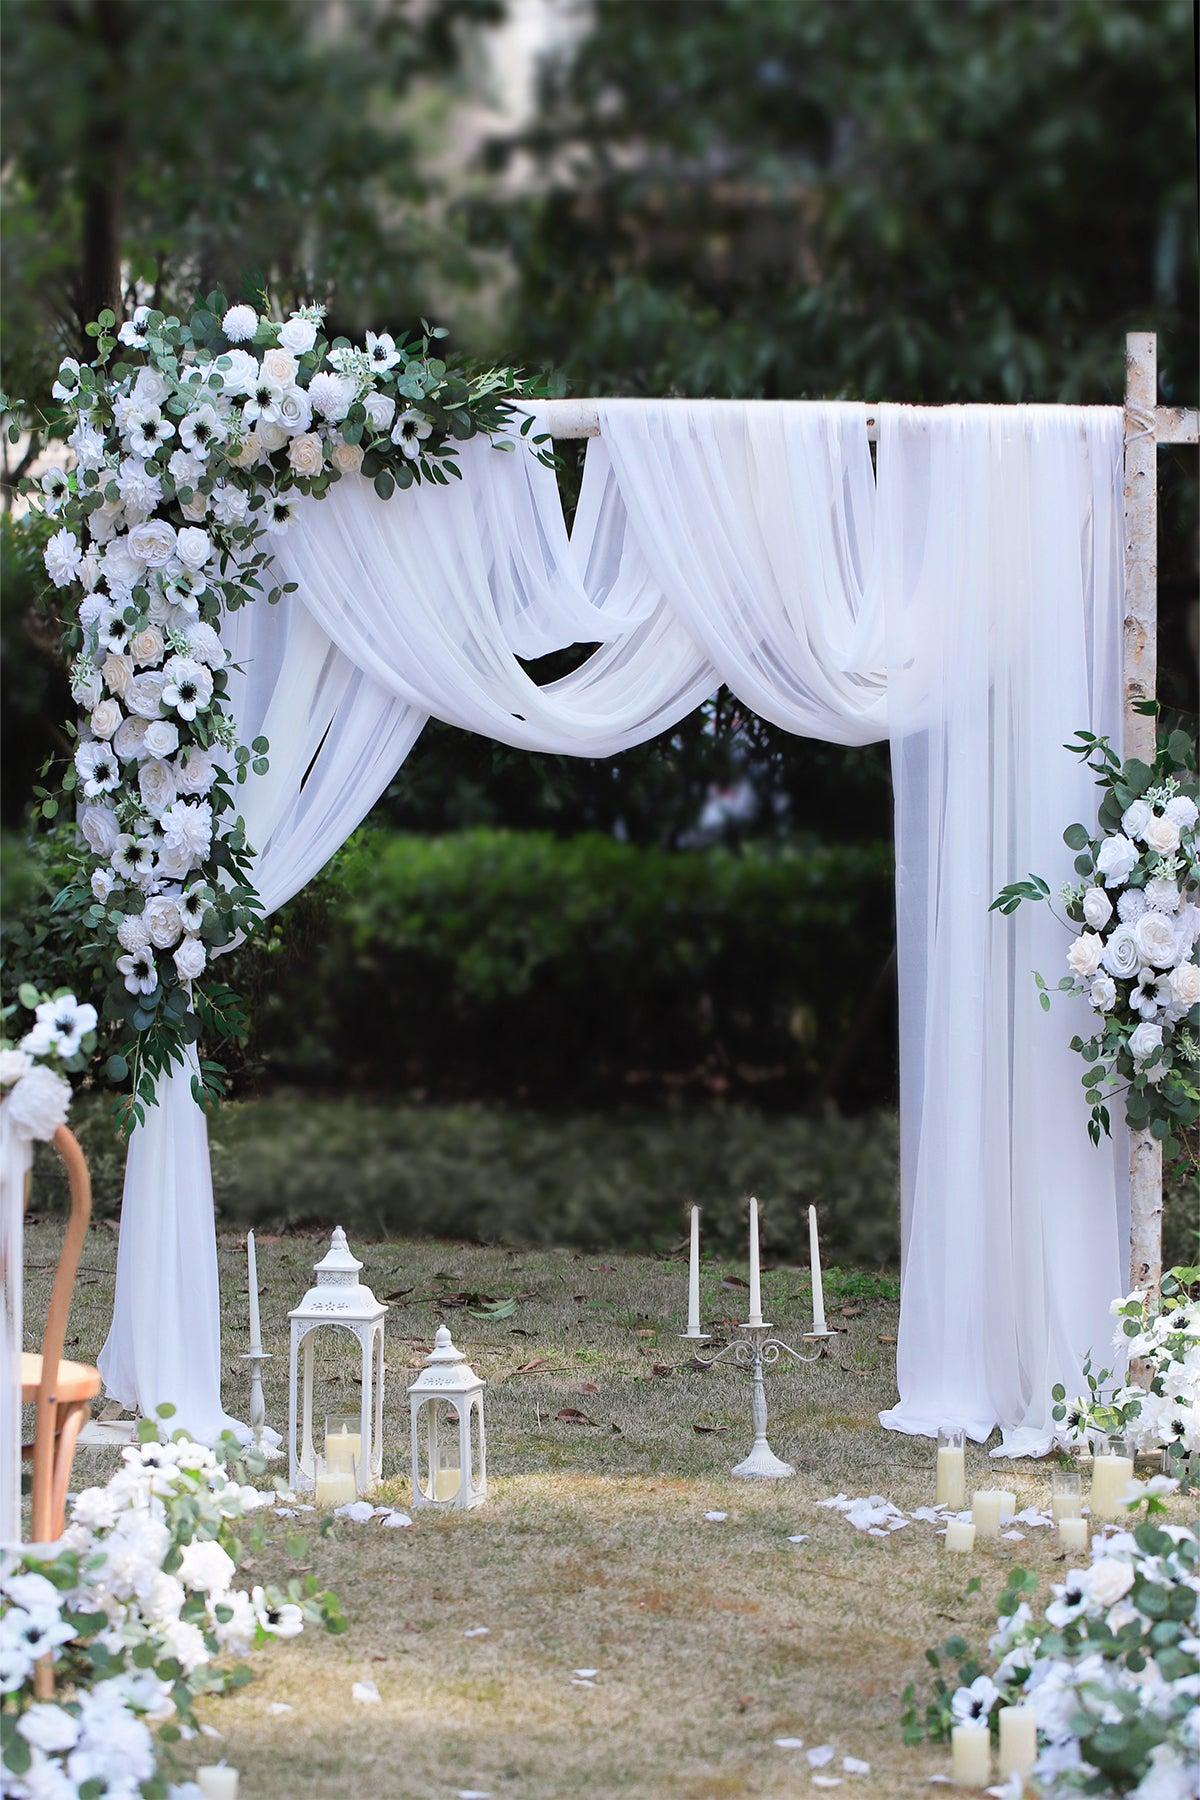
column 951, row 1468
column 1073, row 1535
column 971, row 1751
column 217, row 1782
column 255, row 1326
column 960, row 1535
column 693, row 1324
column 446, row 1484
column 986, row 1508
column 335, row 1486
column 814, row 1254
column 1018, row 1741
column 343, row 1445
column 756, row 1317
column 1112, row 1472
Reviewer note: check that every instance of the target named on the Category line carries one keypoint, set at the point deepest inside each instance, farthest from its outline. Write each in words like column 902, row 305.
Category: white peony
column 1162, row 834
column 1121, row 957
column 1084, row 954
column 62, row 557
column 187, row 826
column 99, row 829
column 380, row 410
column 190, row 959
column 1154, row 935
column 1183, row 984
column 156, row 785
column 144, row 693
column 1135, row 818
column 1104, row 993
column 153, row 543
column 331, row 395
column 87, row 441
column 193, row 547
column 1183, row 810
column 205, row 645
column 230, row 503
column 1144, row 1041
column 130, row 741
column 37, row 1105
column 105, row 719
column 164, row 922
column 240, row 324
column 307, row 454
column 298, row 335
column 48, row 1728
column 1097, row 908
column 1117, row 860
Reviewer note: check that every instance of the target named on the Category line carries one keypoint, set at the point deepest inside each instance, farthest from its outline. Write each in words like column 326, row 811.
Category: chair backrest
column 79, row 1183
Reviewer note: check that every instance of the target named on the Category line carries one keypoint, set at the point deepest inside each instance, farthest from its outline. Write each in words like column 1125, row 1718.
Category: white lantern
column 339, row 1299
column 450, row 1396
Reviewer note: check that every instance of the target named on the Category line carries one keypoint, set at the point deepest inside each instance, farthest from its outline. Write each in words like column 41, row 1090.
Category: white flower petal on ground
column 827, row 1781
column 359, row 1511
column 789, row 1743
column 715, row 1518
column 585, row 1674
column 800, row 1537
column 854, row 1765
column 395, row 1520
column 819, row 1755
column 278, row 1707
column 365, row 1693
column 478, row 1631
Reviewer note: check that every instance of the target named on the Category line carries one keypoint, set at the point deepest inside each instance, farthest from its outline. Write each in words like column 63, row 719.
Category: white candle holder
column 757, row 1350
column 258, row 1406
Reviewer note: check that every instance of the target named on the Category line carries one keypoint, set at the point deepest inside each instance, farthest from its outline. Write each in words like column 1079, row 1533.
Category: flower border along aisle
column 191, row 451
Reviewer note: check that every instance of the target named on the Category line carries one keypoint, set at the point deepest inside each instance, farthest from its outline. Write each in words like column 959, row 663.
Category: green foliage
column 520, row 964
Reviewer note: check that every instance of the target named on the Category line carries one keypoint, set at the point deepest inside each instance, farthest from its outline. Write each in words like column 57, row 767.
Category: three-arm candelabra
column 757, row 1350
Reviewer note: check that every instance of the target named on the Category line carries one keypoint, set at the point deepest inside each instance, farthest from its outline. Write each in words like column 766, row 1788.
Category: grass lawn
column 711, row 1640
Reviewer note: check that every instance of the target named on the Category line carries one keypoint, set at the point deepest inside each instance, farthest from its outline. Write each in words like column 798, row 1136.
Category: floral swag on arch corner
column 191, row 451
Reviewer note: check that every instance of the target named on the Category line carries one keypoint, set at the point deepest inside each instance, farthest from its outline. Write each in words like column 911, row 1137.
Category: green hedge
column 584, row 970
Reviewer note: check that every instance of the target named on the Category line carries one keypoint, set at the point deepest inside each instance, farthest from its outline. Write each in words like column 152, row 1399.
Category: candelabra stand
column 758, row 1350
column 258, row 1406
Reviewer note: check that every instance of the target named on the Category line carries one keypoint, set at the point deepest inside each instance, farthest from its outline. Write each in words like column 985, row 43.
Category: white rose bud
column 1084, row 955
column 103, row 883
column 307, row 454
column 105, row 719
column 1097, row 908
column 1104, row 993
column 190, row 959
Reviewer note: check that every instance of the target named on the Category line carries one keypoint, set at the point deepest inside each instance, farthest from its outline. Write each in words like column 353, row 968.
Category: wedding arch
column 974, row 592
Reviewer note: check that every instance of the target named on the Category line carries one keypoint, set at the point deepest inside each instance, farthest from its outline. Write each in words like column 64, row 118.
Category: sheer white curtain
column 723, row 542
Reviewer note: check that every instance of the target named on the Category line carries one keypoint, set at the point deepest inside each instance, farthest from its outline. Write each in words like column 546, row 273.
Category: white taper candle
column 693, row 1324
column 818, row 1292
column 255, row 1327
column 756, row 1317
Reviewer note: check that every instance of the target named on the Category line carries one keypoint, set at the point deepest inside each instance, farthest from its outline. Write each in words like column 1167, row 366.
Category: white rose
column 298, row 336
column 1154, row 934
column 1144, row 1040
column 193, row 547
column 1162, row 834
column 103, row 883
column 1135, row 818
column 156, row 785
column 196, row 772
column 14, row 1064
column 173, row 862
column 99, row 829
column 281, row 367
column 163, row 922
column 117, row 670
column 37, row 1105
column 105, row 719
column 150, row 388
column 196, row 508
column 147, row 646
column 1121, row 956
column 1108, row 1581
column 153, row 542
column 248, row 455
column 89, row 570
column 1183, row 811
column 1104, row 993
column 1097, row 908
column 381, row 410
column 190, row 958
column 1083, row 955
column 161, row 738
column 130, row 741
column 307, row 454
column 1117, row 860
column 1184, row 986
column 347, row 458
column 143, row 695
column 271, row 438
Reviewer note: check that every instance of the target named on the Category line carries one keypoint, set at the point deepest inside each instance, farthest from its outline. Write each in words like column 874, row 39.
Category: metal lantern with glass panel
column 449, row 1447
column 338, row 1299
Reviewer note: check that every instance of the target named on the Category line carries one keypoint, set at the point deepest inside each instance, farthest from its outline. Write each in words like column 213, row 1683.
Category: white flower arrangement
column 138, row 1609
column 192, row 449
column 1111, row 1668
column 1163, row 1335
column 1135, row 913
column 35, row 1093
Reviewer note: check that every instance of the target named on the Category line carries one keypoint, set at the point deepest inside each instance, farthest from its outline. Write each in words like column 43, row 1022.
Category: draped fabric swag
column 961, row 598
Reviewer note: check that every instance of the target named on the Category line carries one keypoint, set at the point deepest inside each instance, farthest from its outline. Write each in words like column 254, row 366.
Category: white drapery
column 963, row 601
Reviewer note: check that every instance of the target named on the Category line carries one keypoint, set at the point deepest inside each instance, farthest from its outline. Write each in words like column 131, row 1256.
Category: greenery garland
column 193, row 440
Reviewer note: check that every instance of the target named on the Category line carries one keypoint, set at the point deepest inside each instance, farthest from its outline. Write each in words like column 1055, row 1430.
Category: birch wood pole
column 1140, row 671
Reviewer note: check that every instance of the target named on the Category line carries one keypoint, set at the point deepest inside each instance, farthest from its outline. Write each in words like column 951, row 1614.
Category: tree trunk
column 102, row 163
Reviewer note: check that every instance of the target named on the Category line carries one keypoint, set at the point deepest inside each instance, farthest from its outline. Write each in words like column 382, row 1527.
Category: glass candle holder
column 1112, row 1471
column 951, row 1468
column 1066, row 1494
column 336, row 1483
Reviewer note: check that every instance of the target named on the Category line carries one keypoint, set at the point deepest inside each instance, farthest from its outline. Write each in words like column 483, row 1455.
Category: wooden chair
column 62, row 1392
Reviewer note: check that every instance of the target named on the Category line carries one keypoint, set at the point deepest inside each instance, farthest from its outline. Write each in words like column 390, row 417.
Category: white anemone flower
column 135, row 331
column 69, row 1021
column 98, row 768
column 201, row 430
column 148, row 430
column 189, row 686
column 410, row 431
column 55, row 489
column 132, row 857
column 139, row 970
column 281, row 514
column 381, row 351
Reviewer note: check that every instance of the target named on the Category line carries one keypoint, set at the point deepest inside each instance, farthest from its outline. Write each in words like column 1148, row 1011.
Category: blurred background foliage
column 936, row 200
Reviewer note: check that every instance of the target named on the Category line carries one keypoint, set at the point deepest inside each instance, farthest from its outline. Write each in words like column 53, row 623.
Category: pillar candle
column 446, row 1484
column 1073, row 1535
column 1111, row 1475
column 335, row 1487
column 960, row 1534
column 986, row 1504
column 756, row 1317
column 951, row 1475
column 1008, row 1506
column 343, row 1450
column 255, row 1327
column 217, row 1782
column 818, row 1292
column 693, row 1324
column 1018, row 1741
column 971, row 1750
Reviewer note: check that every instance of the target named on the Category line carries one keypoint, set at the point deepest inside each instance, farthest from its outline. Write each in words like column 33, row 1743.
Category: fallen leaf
column 398, row 1293
column 849, row 1312
column 587, row 1387
column 571, row 1415
column 532, row 1368
column 886, row 1338
column 733, row 1281
column 704, row 1430
column 664, row 1368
